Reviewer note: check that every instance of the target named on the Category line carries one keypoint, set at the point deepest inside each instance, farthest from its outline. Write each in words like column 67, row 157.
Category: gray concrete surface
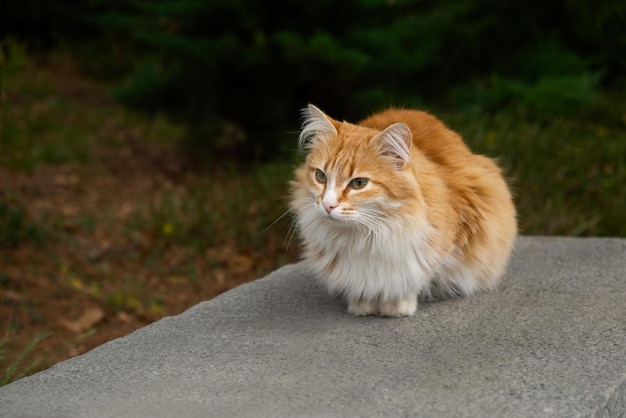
column 551, row 341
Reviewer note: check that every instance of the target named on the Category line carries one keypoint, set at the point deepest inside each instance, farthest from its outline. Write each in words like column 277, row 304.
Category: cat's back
column 430, row 135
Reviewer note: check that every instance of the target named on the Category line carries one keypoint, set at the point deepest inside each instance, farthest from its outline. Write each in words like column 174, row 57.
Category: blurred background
column 146, row 146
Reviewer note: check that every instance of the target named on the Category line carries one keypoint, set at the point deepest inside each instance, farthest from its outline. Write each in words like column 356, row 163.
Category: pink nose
column 329, row 207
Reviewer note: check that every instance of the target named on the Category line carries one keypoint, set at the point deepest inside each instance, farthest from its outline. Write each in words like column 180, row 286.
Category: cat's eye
column 358, row 183
column 320, row 176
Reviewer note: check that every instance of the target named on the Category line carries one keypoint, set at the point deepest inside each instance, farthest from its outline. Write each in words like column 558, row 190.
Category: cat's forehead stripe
column 345, row 160
column 347, row 155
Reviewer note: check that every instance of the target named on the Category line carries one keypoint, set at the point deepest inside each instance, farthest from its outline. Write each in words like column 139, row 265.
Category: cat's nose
column 329, row 207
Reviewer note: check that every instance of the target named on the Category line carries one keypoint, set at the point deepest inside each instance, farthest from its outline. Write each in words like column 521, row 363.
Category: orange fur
column 437, row 218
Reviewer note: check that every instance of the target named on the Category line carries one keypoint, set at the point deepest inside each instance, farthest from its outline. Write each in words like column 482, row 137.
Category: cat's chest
column 368, row 259
column 362, row 247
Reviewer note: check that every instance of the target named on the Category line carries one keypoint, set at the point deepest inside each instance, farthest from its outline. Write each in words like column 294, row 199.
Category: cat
column 397, row 206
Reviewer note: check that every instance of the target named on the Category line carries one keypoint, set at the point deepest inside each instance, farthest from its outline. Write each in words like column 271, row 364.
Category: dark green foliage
column 237, row 72
column 43, row 24
column 254, row 63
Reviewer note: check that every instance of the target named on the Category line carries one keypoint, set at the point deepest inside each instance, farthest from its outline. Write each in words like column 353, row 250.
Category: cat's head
column 352, row 174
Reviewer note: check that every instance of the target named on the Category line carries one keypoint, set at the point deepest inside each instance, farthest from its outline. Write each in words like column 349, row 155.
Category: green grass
column 30, row 107
column 17, row 368
column 225, row 207
column 42, row 122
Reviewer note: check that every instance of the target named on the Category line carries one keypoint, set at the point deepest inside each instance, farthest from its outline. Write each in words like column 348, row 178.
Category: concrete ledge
column 551, row 341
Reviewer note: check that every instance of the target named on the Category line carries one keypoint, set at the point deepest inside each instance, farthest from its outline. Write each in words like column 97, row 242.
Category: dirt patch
column 87, row 275
column 97, row 235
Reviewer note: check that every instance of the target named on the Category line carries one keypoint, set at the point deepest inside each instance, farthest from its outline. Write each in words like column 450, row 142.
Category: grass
column 134, row 254
column 43, row 123
column 221, row 208
column 17, row 368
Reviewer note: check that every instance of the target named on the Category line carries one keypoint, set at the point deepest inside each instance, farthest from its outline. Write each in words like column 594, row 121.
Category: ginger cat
column 398, row 206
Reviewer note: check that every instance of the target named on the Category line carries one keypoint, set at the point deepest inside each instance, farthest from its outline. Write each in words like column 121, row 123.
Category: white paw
column 361, row 307
column 396, row 308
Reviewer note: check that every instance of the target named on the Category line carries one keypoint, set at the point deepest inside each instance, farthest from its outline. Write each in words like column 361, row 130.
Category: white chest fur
column 388, row 263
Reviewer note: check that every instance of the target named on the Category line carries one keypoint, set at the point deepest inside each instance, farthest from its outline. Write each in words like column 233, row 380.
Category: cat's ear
column 395, row 142
column 315, row 125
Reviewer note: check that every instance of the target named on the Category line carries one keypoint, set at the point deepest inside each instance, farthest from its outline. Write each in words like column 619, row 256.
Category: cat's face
column 350, row 176
column 345, row 185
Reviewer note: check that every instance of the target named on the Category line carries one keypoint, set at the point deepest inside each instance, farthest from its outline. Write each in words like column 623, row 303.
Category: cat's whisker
column 274, row 223
column 363, row 229
column 291, row 232
column 372, row 222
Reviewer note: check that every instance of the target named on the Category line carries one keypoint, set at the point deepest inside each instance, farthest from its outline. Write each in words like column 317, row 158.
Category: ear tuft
column 395, row 142
column 315, row 125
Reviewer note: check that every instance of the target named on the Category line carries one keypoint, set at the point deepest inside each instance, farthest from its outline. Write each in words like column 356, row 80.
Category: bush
column 237, row 72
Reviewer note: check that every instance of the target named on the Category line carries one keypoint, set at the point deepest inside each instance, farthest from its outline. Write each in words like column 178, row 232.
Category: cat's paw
column 400, row 307
column 362, row 307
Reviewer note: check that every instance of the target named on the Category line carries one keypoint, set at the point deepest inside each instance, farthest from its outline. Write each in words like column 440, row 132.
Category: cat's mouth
column 335, row 218
column 339, row 217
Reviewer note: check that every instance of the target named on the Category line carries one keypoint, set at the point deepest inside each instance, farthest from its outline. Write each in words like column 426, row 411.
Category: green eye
column 320, row 176
column 358, row 183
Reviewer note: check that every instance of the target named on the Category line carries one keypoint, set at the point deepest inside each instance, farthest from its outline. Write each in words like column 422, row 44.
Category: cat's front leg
column 398, row 307
column 362, row 307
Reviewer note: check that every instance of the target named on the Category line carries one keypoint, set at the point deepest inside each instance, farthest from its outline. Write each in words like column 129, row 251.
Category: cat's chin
column 338, row 219
column 333, row 220
column 329, row 217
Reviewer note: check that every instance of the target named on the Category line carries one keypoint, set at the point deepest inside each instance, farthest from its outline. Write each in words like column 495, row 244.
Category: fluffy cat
column 398, row 206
